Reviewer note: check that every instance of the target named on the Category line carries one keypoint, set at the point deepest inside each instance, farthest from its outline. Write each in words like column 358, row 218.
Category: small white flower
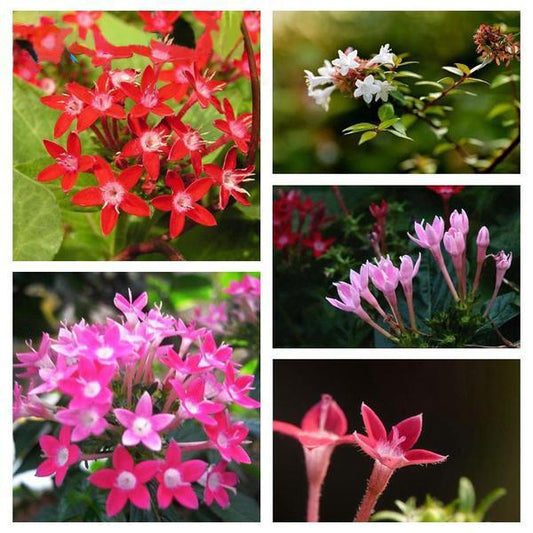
column 346, row 62
column 366, row 88
column 314, row 81
column 384, row 88
column 327, row 70
column 322, row 96
column 384, row 57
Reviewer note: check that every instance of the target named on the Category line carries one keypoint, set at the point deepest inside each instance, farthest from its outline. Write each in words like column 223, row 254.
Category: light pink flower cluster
column 385, row 276
column 126, row 387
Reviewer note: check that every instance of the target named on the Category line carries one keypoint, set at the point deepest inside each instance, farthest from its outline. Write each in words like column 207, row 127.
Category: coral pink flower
column 142, row 425
column 175, row 477
column 69, row 162
column 60, row 455
column 85, row 20
column 70, row 106
column 228, row 438
column 394, row 450
column 126, row 481
column 183, row 203
column 229, row 178
column 90, row 386
column 236, row 389
column 252, row 19
column 503, row 264
column 318, row 244
column 104, row 53
column 188, row 142
column 238, row 128
column 100, row 102
column 150, row 143
column 48, row 40
column 113, row 194
column 159, row 21
column 217, row 482
column 204, row 89
column 147, row 97
column 193, row 402
column 86, row 421
column 34, row 360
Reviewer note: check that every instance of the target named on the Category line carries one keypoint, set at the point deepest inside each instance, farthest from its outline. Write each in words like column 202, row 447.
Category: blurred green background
column 309, row 140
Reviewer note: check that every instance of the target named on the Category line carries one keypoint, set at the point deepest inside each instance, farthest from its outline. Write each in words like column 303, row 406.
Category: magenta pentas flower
column 122, row 389
column 60, row 454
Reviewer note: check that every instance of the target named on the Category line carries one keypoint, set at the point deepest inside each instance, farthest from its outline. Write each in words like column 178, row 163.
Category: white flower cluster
column 321, row 86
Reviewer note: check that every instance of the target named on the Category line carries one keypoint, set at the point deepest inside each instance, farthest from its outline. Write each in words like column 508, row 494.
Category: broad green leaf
column 397, row 133
column 367, row 136
column 500, row 109
column 386, row 112
column 463, row 68
column 37, row 228
column 388, row 123
column 488, row 501
column 357, row 128
column 229, row 34
column 454, row 70
column 242, row 508
column 502, row 79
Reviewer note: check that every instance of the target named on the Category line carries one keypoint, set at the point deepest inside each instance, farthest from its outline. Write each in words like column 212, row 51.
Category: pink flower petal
column 418, row 457
column 373, row 425
column 144, row 405
column 410, row 429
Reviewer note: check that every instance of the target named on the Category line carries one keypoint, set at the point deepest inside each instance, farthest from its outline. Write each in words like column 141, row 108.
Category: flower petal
column 373, row 425
column 419, row 457
column 410, row 429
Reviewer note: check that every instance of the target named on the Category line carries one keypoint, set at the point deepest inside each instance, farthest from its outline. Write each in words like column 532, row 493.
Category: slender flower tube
column 407, row 272
column 482, row 241
column 351, row 302
column 503, row 263
column 323, row 428
column 459, row 222
column 389, row 452
column 454, row 243
column 360, row 282
column 430, row 237
column 385, row 277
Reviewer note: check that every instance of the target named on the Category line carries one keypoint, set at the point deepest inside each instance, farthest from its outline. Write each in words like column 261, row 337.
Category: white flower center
column 319, row 246
column 222, row 440
column 102, row 102
column 238, row 129
column 62, row 456
column 49, row 42
column 112, row 193
column 67, row 162
column 126, row 481
column 73, row 106
column 89, row 418
column 172, row 478
column 214, row 481
column 182, row 202
column 92, row 389
column 84, row 19
column 192, row 141
column 151, row 141
column 191, row 407
column 163, row 55
column 149, row 99
column 142, row 426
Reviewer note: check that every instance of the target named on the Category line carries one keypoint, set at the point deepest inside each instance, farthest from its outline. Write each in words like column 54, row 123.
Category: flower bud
column 482, row 241
column 454, row 242
column 408, row 270
column 503, row 261
column 459, row 221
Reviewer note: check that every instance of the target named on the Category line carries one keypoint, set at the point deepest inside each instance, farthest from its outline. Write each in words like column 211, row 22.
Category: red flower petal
column 63, row 124
column 177, row 221
column 130, row 176
column 151, row 164
column 132, row 148
column 50, row 173
column 108, row 221
column 87, row 118
column 423, row 456
column 163, row 203
column 410, row 429
column 103, row 479
column 373, row 425
column 88, row 197
column 134, row 205
column 69, row 180
column 74, row 144
column 201, row 215
column 198, row 189
column 288, row 429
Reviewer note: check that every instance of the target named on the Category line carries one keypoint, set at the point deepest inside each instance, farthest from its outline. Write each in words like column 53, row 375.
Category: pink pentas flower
column 132, row 309
column 159, row 21
column 215, row 317
column 430, row 235
column 148, row 97
column 84, row 20
column 454, row 242
column 248, row 285
column 182, row 203
column 229, row 178
column 113, row 194
column 459, row 221
column 99, row 103
column 68, row 162
column 236, row 388
column 106, row 347
column 218, row 481
column 359, row 281
column 193, row 403
column 86, row 421
column 69, row 105
column 384, row 276
column 28, row 405
column 228, row 437
column 175, row 477
column 238, row 128
column 126, row 481
column 142, row 426
column 395, row 449
column 90, row 385
column 34, row 360
column 60, row 454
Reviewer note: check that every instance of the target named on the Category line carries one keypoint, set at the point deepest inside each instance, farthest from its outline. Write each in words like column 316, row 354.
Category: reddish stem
column 100, row 136
column 377, row 483
column 340, row 199
column 185, row 107
column 157, row 245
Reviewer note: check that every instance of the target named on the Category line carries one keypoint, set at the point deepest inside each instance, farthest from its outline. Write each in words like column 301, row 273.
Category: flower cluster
column 299, row 222
column 494, row 44
column 324, row 427
column 150, row 158
column 385, row 277
column 121, row 392
column 365, row 78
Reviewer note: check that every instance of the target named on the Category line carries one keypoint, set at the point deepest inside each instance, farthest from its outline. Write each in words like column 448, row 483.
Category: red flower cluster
column 377, row 236
column 494, row 44
column 446, row 191
column 151, row 157
column 299, row 222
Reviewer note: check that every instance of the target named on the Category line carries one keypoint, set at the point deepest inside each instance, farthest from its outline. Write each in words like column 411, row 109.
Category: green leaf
column 388, row 516
column 454, row 70
column 386, row 112
column 399, row 134
column 434, row 84
column 408, row 74
column 502, row 79
column 467, row 495
column 388, row 123
column 241, row 509
column 442, row 148
column 367, row 136
column 488, row 501
column 500, row 109
column 357, row 128
column 463, row 68
column 229, row 33
column 447, row 80
column 37, row 228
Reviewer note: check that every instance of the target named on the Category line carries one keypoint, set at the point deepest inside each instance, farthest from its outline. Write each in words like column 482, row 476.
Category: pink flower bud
column 454, row 242
column 482, row 241
column 459, row 221
column 408, row 270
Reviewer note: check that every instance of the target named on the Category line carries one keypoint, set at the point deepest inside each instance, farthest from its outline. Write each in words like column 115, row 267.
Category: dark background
column 471, row 413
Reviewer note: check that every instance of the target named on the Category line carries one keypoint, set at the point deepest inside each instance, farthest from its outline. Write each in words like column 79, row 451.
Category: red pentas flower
column 188, row 142
column 228, row 437
column 104, row 52
column 150, row 143
column 126, row 481
column 69, row 105
column 379, row 210
column 252, row 19
column 48, row 40
column 238, row 128
column 317, row 243
column 100, row 102
column 59, row 453
column 69, row 162
column 160, row 52
column 113, row 194
column 243, row 66
column 159, row 21
column 284, row 237
column 24, row 66
column 176, row 76
column 147, row 97
column 209, row 19
column 84, row 20
column 229, row 178
column 183, row 203
column 204, row 89
column 446, row 191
